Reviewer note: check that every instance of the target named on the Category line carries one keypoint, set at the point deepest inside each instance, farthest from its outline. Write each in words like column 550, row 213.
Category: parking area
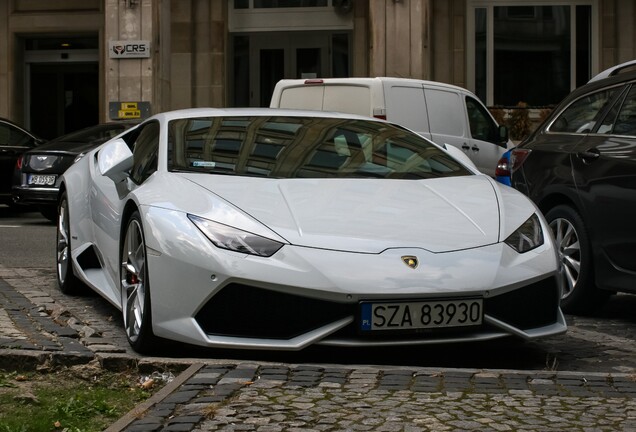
column 581, row 380
column 604, row 343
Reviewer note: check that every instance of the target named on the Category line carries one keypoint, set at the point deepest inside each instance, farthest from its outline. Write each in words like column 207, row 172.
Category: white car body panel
column 344, row 215
column 343, row 242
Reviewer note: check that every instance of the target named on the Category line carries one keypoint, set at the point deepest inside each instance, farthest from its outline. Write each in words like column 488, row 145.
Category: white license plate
column 41, row 180
column 421, row 314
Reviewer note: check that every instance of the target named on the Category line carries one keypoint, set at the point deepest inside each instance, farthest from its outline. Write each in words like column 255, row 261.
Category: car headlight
column 528, row 236
column 226, row 237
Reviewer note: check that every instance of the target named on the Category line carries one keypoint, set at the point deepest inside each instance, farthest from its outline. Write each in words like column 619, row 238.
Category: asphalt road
column 605, row 342
column 27, row 239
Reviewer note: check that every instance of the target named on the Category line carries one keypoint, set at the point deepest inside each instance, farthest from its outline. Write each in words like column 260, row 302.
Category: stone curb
column 141, row 409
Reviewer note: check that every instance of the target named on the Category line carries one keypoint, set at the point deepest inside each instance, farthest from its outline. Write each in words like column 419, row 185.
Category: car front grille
column 531, row 306
column 246, row 311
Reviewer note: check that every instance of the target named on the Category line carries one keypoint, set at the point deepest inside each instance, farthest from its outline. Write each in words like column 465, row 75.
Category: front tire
column 66, row 279
column 49, row 212
column 580, row 294
column 135, row 288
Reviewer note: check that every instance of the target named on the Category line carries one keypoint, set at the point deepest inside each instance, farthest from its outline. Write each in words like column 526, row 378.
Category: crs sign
column 129, row 49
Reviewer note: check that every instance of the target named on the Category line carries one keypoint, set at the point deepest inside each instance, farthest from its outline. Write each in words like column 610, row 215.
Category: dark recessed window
column 60, row 43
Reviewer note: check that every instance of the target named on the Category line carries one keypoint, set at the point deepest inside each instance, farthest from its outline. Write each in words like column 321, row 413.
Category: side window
column 5, row 134
column 482, row 126
column 582, row 115
column 626, row 120
column 11, row 136
column 145, row 153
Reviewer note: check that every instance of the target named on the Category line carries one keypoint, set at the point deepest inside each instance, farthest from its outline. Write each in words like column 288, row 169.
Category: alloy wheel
column 133, row 280
column 569, row 250
column 63, row 244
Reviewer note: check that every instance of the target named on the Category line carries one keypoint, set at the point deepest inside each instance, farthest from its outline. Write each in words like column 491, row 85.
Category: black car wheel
column 580, row 294
column 135, row 288
column 66, row 279
column 49, row 212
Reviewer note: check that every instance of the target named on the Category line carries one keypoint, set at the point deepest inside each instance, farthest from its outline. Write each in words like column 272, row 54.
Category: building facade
column 70, row 63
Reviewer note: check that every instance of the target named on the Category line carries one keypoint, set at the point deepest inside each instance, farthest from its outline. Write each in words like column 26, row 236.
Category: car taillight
column 19, row 162
column 503, row 167
column 314, row 81
column 379, row 113
column 517, row 158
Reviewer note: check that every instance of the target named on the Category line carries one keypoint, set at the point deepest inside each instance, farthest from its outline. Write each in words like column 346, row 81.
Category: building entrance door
column 61, row 85
column 285, row 55
column 262, row 59
column 63, row 98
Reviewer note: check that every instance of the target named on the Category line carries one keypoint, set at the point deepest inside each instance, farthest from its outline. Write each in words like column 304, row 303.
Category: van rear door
column 322, row 95
column 352, row 99
column 300, row 97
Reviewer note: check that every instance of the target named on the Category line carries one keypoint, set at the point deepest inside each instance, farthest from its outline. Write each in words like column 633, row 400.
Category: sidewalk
column 215, row 395
column 261, row 397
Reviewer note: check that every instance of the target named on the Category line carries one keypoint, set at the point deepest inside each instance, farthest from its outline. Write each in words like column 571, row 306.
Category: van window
column 482, row 126
column 445, row 112
column 407, row 107
column 348, row 99
column 304, row 97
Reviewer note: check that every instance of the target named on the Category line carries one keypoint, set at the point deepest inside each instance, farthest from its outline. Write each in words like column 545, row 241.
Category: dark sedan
column 37, row 172
column 579, row 167
column 14, row 140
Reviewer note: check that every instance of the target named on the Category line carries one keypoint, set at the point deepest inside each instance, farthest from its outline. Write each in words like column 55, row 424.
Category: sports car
column 279, row 229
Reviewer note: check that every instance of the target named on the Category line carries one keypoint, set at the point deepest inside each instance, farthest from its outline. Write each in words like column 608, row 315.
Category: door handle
column 465, row 146
column 475, row 148
column 590, row 155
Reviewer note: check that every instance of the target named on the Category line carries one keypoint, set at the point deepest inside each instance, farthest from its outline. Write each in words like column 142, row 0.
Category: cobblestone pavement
column 247, row 397
column 584, row 380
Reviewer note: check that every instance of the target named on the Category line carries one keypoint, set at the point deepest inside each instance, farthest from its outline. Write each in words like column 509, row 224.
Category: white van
column 446, row 114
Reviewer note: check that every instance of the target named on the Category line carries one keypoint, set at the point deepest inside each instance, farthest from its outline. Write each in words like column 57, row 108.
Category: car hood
column 367, row 215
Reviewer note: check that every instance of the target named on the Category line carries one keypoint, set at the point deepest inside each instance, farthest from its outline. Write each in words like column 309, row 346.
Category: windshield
column 304, row 147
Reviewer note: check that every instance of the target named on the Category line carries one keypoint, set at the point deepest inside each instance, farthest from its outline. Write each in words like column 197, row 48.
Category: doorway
column 261, row 60
column 64, row 98
column 62, row 85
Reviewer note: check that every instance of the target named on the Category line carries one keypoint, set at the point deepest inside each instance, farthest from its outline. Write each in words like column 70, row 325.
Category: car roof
column 262, row 112
column 594, row 85
column 614, row 70
column 367, row 81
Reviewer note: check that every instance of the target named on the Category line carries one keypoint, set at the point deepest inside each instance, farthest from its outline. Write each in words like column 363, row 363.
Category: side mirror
column 503, row 135
column 114, row 160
